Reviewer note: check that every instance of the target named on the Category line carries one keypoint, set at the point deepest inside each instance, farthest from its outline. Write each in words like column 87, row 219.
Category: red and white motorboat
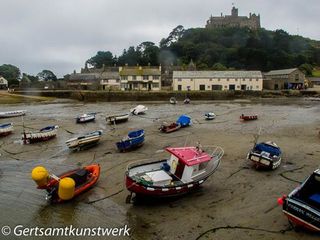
column 185, row 170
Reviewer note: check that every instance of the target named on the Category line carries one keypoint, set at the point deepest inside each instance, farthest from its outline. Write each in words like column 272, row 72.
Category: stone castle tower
column 234, row 20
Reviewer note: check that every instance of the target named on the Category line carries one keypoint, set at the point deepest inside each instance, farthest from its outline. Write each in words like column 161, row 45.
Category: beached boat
column 186, row 169
column 133, row 140
column 140, row 109
column 9, row 114
column 186, row 101
column 84, row 141
column 184, row 121
column 117, row 118
column 68, row 185
column 248, row 117
column 168, row 128
column 265, row 155
column 209, row 116
column 87, row 117
column 44, row 134
column 173, row 100
column 302, row 205
column 6, row 129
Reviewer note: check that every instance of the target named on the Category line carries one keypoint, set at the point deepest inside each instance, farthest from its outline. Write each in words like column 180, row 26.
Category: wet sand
column 236, row 202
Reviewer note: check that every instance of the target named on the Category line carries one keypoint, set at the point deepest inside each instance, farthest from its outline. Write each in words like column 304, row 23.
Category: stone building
column 105, row 78
column 144, row 78
column 217, row 80
column 284, row 79
column 234, row 20
column 3, row 83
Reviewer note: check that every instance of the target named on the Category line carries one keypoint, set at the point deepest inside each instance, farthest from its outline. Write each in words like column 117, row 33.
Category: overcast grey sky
column 61, row 35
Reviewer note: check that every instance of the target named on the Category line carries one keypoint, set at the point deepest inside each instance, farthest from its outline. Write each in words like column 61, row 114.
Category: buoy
column 66, row 188
column 40, row 176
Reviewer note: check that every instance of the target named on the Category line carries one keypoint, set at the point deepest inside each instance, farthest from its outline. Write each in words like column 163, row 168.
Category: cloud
column 60, row 35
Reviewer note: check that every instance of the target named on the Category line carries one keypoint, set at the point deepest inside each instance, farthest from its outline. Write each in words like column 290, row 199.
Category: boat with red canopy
column 184, row 170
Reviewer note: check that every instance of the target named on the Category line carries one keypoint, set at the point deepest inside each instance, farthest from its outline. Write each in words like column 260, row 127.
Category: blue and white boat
column 133, row 140
column 6, row 129
column 266, row 155
column 184, row 121
column 87, row 117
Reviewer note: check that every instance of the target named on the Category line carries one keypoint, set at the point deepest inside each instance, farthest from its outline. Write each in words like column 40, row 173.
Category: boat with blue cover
column 266, row 155
column 184, row 121
column 133, row 140
column 6, row 129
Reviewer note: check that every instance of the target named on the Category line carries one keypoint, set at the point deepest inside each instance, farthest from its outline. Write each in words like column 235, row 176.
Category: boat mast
column 256, row 137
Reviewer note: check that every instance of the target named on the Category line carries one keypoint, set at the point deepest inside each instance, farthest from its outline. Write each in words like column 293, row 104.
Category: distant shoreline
column 121, row 96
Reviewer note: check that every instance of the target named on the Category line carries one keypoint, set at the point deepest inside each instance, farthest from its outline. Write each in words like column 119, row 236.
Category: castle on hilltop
column 234, row 20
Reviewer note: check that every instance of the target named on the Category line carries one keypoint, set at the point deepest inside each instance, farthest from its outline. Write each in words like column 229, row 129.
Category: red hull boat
column 302, row 205
column 248, row 117
column 185, row 170
column 168, row 128
column 84, row 179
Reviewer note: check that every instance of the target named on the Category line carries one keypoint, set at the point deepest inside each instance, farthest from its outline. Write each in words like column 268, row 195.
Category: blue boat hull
column 135, row 139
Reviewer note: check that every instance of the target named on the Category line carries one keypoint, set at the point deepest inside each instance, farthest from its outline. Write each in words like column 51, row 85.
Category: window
column 210, row 80
column 227, row 79
column 179, row 79
column 257, row 80
column 250, row 80
column 202, row 87
column 219, row 80
column 216, row 87
column 145, row 77
column 134, row 77
column 257, row 87
column 238, row 86
column 232, row 87
column 225, row 86
column 124, row 77
column 297, row 77
column 236, row 80
column 156, row 77
column 155, row 85
column 179, row 87
column 191, row 79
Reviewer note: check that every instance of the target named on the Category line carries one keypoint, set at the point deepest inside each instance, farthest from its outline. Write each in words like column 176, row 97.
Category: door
column 243, row 87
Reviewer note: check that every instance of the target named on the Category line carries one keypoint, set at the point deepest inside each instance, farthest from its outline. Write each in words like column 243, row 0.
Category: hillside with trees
column 225, row 48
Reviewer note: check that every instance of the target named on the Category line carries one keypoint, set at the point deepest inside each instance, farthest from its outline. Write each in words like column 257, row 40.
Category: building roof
column 94, row 76
column 190, row 155
column 135, row 71
column 280, row 72
column 217, row 74
column 314, row 79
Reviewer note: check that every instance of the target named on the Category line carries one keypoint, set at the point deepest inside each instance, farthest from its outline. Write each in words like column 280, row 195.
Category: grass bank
column 10, row 98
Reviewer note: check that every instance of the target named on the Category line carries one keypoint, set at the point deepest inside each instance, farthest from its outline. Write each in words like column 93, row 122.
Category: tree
column 149, row 53
column 11, row 73
column 102, row 58
column 174, row 36
column 46, row 75
column 306, row 69
column 219, row 67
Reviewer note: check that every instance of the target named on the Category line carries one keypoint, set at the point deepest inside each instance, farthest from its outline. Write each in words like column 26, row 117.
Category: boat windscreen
column 262, row 147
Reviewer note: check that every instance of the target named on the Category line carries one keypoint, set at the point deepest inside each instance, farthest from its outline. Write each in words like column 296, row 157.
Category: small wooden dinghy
column 44, row 134
column 265, row 155
column 6, row 129
column 9, row 114
column 209, row 116
column 84, row 141
column 302, row 205
column 134, row 140
column 173, row 100
column 140, row 109
column 168, row 128
column 68, row 185
column 248, row 117
column 117, row 118
column 186, row 169
column 87, row 117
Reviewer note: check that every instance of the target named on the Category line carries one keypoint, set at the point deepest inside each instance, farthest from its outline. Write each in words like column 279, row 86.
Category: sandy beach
column 237, row 201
